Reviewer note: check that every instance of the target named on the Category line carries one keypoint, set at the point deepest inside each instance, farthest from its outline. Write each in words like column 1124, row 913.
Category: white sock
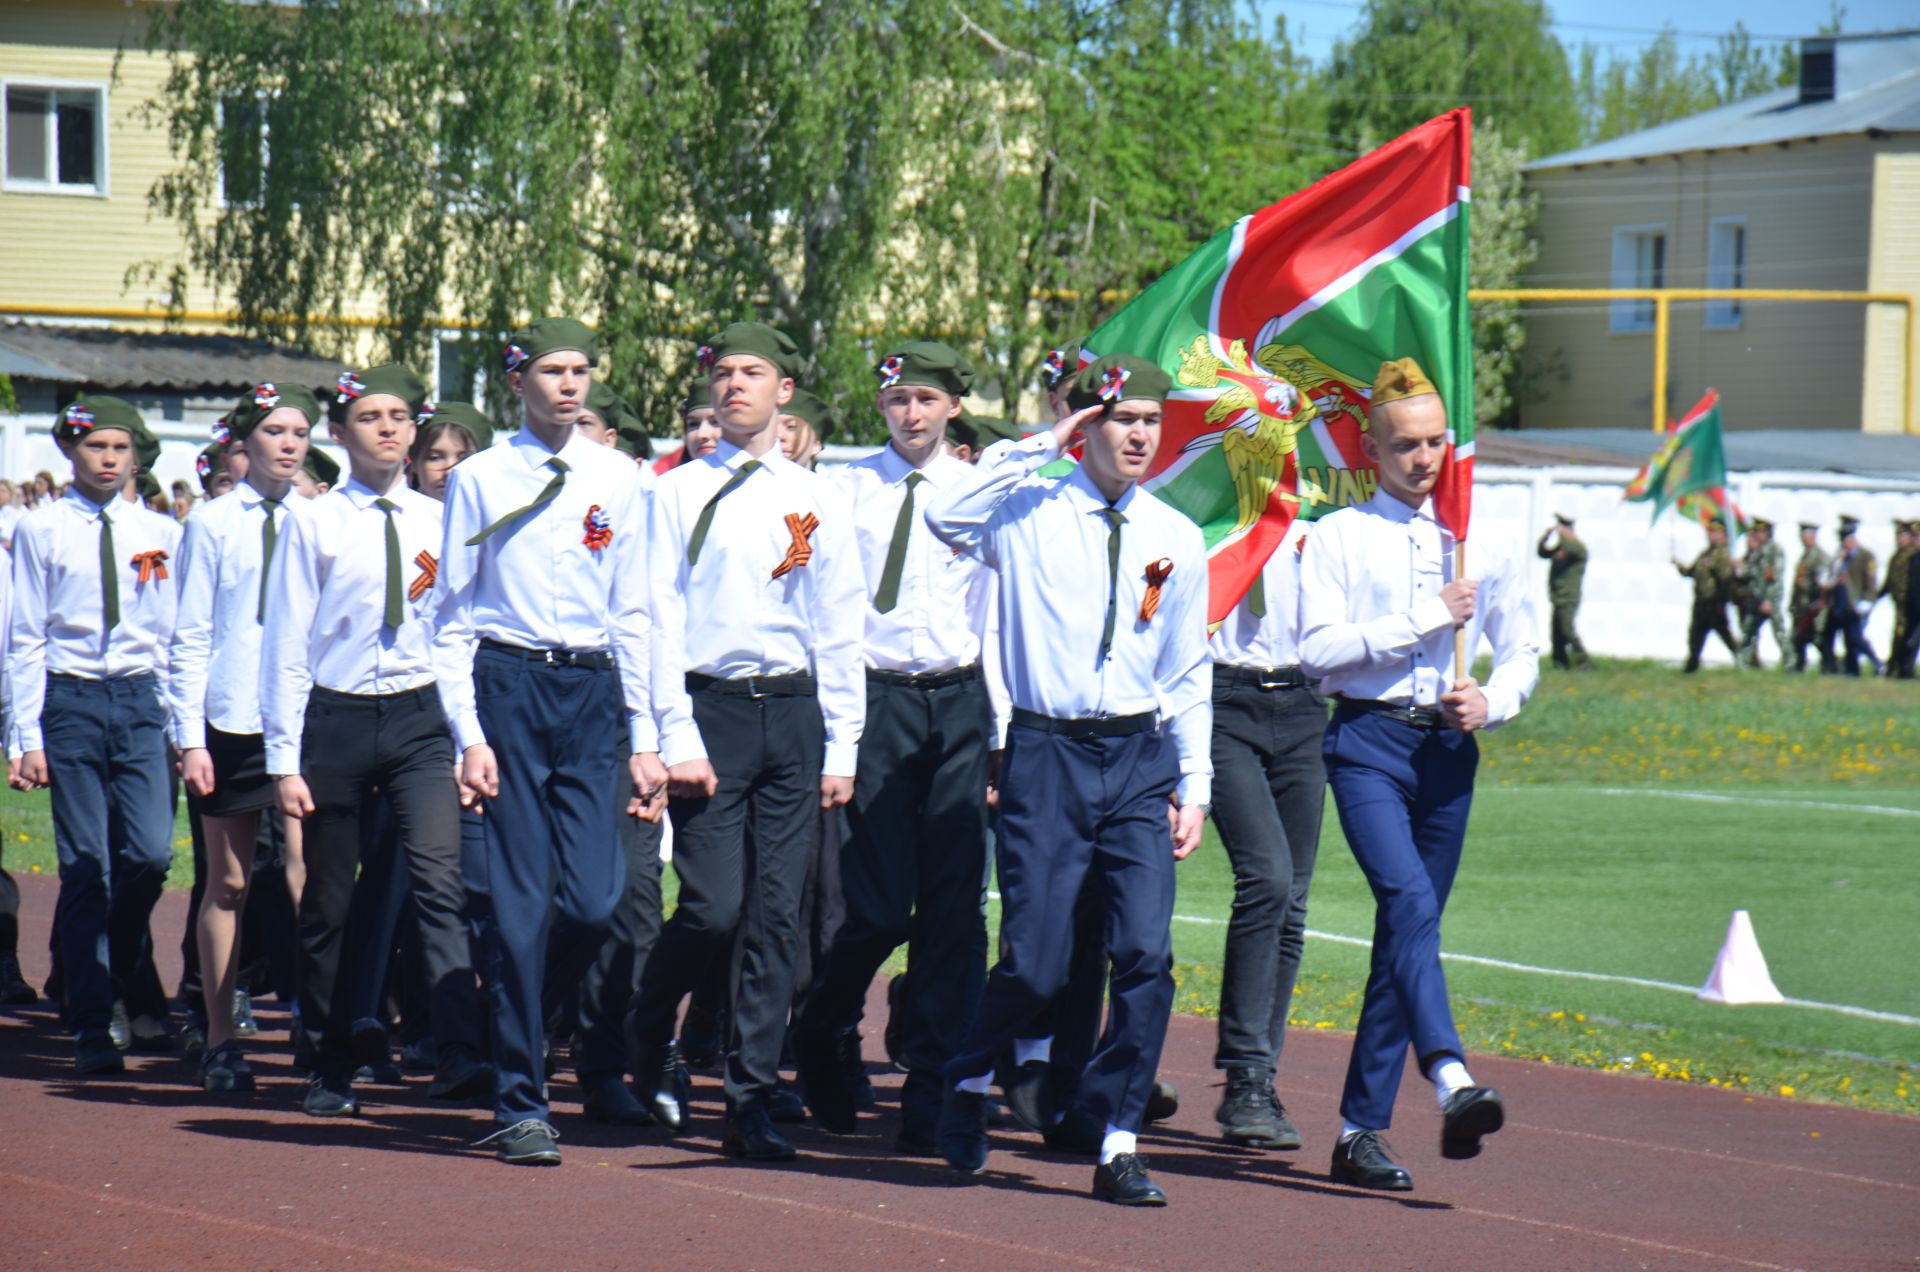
column 1116, row 1143
column 1449, row 1076
column 977, row 1086
column 1348, row 1130
column 1025, row 1049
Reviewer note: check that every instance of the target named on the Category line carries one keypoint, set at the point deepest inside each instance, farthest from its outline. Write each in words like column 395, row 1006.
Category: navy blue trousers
column 1069, row 809
column 107, row 768
column 559, row 734
column 1403, row 793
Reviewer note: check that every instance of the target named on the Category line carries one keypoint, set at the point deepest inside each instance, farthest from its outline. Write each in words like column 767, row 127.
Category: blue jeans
column 113, row 828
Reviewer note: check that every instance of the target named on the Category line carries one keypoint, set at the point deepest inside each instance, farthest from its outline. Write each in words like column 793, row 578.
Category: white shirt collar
column 895, row 468
column 1394, row 509
column 363, row 495
column 1090, row 496
column 731, row 457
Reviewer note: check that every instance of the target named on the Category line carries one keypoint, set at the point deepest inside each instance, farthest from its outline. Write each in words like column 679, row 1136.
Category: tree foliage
column 1623, row 95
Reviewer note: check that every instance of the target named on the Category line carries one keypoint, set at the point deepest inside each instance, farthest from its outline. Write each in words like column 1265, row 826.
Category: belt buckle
column 1269, row 680
column 753, row 688
column 547, row 656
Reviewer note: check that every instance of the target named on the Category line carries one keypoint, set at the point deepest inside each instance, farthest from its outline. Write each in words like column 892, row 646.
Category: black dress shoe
column 329, row 1095
column 462, row 1077
column 607, row 1100
column 1123, row 1181
column 854, row 1066
column 1363, row 1160
column 662, row 1084
column 962, row 1132
column 750, row 1134
column 817, row 1056
column 14, row 990
column 1470, row 1113
column 95, row 1056
column 1028, row 1091
column 1075, row 1134
column 1162, row 1103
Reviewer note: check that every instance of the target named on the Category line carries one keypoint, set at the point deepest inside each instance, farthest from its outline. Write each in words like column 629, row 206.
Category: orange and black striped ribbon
column 799, row 552
column 1157, row 575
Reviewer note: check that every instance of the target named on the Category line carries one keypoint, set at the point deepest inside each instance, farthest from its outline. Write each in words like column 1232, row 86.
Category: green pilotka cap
column 265, row 399
column 1118, row 378
column 98, row 414
column 468, row 416
column 926, row 363
column 543, row 336
column 757, row 339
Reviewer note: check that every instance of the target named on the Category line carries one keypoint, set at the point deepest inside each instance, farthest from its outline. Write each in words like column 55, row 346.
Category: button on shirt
column 216, row 642
column 727, row 616
column 536, row 582
column 326, row 607
column 1047, row 539
column 1373, row 626
column 59, row 621
column 1246, row 639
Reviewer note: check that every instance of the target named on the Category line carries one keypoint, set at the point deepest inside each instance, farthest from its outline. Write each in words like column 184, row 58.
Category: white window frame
column 101, row 188
column 264, row 97
column 1629, row 317
column 1726, row 315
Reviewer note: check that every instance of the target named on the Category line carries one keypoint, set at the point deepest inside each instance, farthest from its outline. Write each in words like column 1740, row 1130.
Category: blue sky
column 1624, row 26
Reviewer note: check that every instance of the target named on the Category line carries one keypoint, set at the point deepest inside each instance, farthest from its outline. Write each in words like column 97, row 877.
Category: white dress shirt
column 1373, row 626
column 1046, row 539
column 727, row 616
column 59, row 618
column 326, row 607
column 1245, row 639
column 220, row 580
column 535, row 582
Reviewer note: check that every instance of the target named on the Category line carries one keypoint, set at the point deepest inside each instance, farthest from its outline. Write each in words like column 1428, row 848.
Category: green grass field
column 1618, row 824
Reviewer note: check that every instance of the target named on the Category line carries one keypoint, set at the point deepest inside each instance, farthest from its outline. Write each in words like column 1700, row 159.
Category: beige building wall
column 1895, row 249
column 1808, row 211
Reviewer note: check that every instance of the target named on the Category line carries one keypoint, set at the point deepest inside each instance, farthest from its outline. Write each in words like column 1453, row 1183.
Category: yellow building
column 1813, row 186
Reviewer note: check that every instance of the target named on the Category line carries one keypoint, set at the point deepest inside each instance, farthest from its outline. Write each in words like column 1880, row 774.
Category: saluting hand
column 196, row 770
column 1465, row 707
column 649, row 786
column 479, row 775
column 296, row 801
column 1185, row 822
column 1065, row 428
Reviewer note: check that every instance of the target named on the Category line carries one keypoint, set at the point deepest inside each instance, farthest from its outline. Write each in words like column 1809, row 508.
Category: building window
column 244, row 135
column 56, row 139
column 1639, row 260
column 457, row 362
column 1726, row 267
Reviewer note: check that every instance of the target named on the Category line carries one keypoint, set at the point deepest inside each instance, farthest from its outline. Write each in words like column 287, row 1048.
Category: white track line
column 1705, row 797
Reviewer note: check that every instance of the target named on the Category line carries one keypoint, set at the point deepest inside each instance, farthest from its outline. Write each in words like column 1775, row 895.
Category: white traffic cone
column 1740, row 973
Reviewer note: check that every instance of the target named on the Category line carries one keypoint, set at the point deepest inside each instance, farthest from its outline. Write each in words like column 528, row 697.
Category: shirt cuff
column 1195, row 788
column 1501, row 706
column 1430, row 615
column 643, row 731
column 681, row 745
column 190, row 735
column 841, row 760
column 467, row 731
column 26, row 738
column 283, row 759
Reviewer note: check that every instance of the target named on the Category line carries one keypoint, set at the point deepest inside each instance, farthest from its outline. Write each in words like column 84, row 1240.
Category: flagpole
column 1460, row 633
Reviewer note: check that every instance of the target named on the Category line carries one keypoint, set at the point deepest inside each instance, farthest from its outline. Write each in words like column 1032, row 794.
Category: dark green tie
column 1257, row 595
column 396, row 610
column 889, row 594
column 269, row 533
column 540, row 501
column 704, row 522
column 109, row 573
column 1114, row 520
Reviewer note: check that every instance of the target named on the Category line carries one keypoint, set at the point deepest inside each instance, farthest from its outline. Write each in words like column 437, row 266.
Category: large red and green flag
column 1692, row 461
column 1273, row 332
column 1714, row 504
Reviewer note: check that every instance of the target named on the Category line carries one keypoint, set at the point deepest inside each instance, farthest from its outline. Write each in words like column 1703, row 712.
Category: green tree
column 1620, row 95
column 1500, row 247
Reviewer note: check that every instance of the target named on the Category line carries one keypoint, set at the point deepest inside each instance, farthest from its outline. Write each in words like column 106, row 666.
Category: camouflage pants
column 1752, row 621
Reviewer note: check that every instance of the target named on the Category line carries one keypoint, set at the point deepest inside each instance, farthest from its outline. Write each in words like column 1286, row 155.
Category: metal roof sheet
column 110, row 358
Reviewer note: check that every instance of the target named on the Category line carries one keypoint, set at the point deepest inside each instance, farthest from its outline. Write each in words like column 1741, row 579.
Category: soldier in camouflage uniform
column 1759, row 588
column 1564, row 578
column 1712, row 575
column 1899, row 585
column 1805, row 603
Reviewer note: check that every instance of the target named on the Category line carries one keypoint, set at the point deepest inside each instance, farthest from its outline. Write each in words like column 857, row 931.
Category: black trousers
column 596, row 1004
column 741, row 856
column 398, row 744
column 1708, row 617
column 912, row 867
column 1269, row 795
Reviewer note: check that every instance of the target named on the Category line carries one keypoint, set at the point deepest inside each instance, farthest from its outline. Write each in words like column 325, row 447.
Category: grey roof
column 1795, row 450
column 107, row 358
column 1879, row 90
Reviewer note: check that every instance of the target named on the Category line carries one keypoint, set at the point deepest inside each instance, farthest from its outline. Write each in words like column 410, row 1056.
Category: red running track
column 1593, row 1171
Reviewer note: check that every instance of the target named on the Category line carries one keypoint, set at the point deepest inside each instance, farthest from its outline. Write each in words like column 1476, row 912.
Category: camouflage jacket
column 1808, row 575
column 1712, row 575
column 1762, row 577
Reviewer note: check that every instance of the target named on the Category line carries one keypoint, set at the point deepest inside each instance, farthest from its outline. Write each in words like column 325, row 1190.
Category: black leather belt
column 925, row 679
column 795, row 684
column 1086, row 726
column 1418, row 717
column 592, row 659
column 1261, row 677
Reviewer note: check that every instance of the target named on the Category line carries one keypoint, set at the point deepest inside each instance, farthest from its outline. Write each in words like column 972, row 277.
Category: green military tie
column 269, row 534
column 109, row 573
column 540, row 501
column 1257, row 595
column 889, row 594
column 396, row 609
column 1115, row 518
column 704, row 522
